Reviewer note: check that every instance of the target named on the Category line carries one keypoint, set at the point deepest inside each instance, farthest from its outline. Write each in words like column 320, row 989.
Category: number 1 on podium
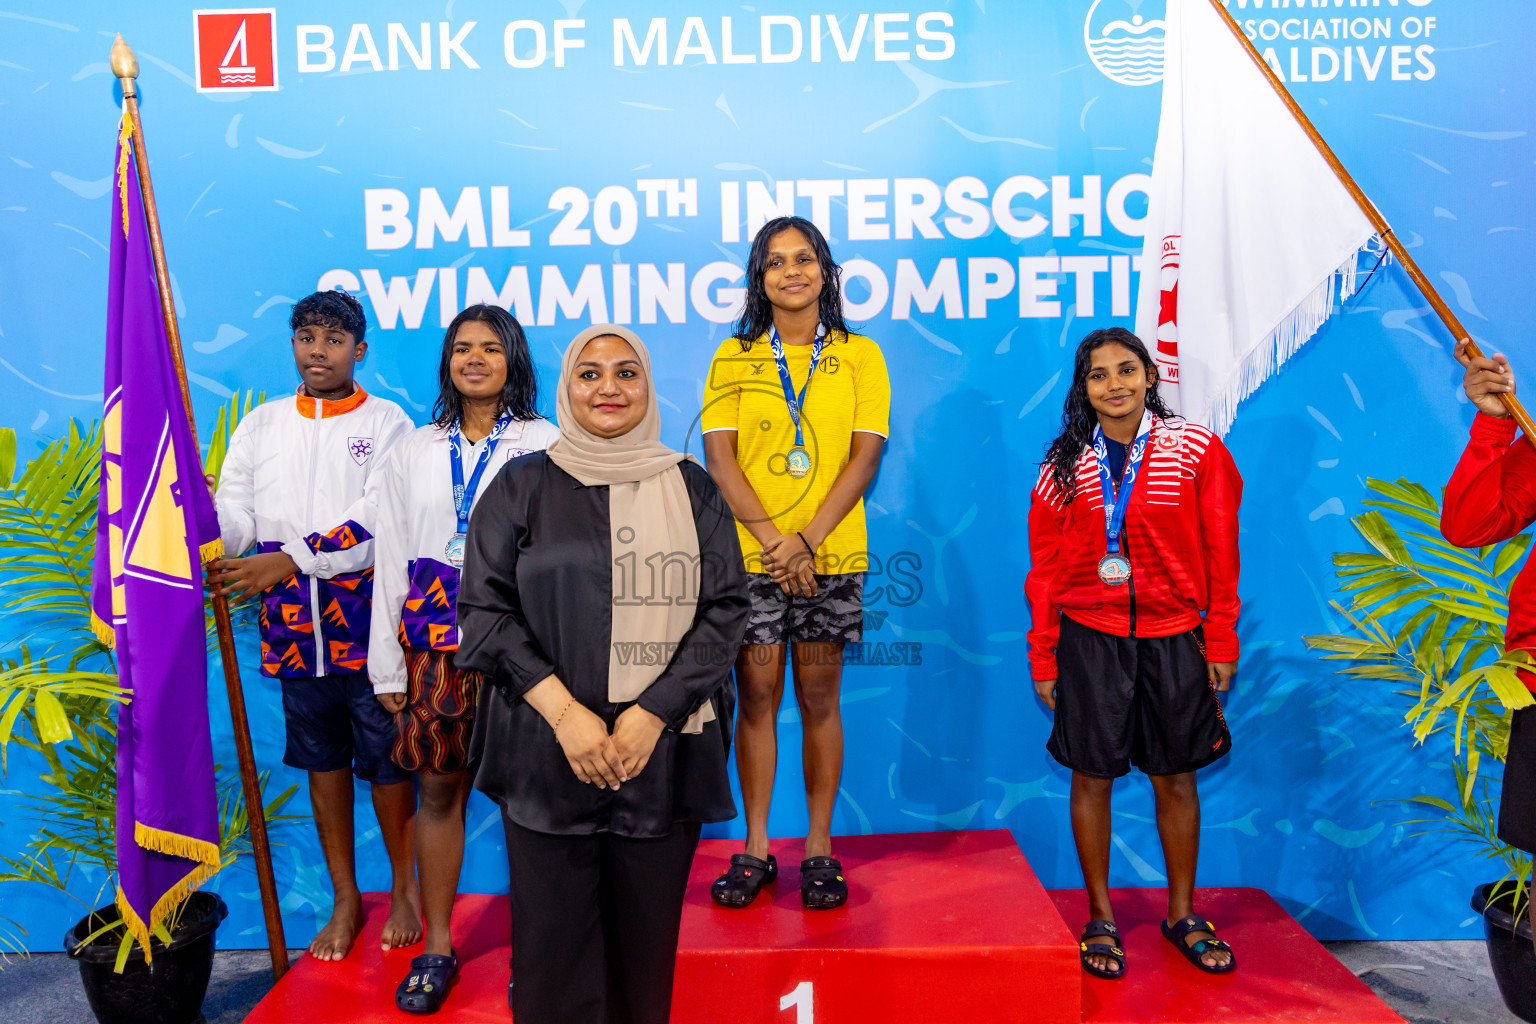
column 800, row 999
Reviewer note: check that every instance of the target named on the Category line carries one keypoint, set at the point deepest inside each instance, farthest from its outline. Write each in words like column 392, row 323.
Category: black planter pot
column 1510, row 951
column 170, row 989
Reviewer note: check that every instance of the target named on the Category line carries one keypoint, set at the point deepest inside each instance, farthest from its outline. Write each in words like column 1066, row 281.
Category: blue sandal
column 1178, row 933
column 425, row 988
column 1111, row 950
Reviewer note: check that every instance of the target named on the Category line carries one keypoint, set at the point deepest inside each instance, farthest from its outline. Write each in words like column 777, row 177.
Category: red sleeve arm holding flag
column 1220, row 490
column 1046, row 515
column 1492, row 494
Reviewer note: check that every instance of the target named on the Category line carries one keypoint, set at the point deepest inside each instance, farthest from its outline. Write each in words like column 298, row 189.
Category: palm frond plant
column 59, row 689
column 47, row 542
column 230, row 415
column 1429, row 618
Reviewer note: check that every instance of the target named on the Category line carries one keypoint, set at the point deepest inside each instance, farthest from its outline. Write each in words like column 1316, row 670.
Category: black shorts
column 1517, row 796
column 1143, row 701
column 834, row 616
column 336, row 722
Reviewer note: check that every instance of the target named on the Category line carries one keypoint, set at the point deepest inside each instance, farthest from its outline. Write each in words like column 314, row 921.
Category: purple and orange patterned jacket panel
column 345, row 602
column 287, row 627
column 429, row 619
column 348, row 535
column 346, row 609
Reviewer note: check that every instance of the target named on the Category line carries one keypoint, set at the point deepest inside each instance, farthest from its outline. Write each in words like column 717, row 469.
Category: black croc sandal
column 425, row 988
column 1179, row 932
column 1112, row 950
column 747, row 875
column 822, row 885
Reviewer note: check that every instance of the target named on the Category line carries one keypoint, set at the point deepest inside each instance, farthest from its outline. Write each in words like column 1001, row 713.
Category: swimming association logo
column 1123, row 42
column 235, row 49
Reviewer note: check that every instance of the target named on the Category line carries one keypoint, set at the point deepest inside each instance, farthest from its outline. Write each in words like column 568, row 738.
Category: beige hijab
column 650, row 524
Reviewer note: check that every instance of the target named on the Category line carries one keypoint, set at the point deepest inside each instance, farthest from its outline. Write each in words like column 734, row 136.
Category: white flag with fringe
column 1250, row 235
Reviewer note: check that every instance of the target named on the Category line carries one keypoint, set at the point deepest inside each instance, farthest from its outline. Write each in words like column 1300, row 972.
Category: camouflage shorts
column 834, row 616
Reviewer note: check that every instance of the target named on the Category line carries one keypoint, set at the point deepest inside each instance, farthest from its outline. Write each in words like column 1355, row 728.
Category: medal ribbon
column 1116, row 502
column 795, row 402
column 464, row 494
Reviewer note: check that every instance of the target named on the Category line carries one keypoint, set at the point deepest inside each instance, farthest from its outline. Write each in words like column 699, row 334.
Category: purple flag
column 155, row 529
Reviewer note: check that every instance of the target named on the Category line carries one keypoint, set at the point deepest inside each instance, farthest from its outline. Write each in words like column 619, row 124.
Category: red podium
column 948, row 926
column 941, row 927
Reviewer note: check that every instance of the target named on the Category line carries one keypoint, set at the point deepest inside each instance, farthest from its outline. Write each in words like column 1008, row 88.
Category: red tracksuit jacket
column 1180, row 535
column 1492, row 497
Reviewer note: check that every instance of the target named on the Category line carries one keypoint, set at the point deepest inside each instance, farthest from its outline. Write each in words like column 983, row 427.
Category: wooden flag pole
column 1523, row 418
column 126, row 67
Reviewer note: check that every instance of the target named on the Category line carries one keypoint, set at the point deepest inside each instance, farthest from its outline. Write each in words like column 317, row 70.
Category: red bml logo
column 1168, row 313
column 235, row 49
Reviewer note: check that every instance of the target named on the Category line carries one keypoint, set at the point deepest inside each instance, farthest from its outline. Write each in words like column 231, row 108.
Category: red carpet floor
column 942, row 927
column 1283, row 974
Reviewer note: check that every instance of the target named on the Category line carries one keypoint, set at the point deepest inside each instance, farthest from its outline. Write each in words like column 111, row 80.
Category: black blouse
column 535, row 599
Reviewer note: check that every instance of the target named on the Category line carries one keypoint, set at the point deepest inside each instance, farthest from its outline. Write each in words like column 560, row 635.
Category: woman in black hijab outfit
column 603, row 599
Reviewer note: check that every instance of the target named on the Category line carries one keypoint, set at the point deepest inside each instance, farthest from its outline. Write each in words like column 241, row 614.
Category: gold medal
column 798, row 461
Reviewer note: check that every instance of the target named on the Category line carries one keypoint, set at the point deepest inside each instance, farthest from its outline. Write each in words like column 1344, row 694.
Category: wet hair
column 334, row 309
column 1078, row 418
column 757, row 314
column 520, row 393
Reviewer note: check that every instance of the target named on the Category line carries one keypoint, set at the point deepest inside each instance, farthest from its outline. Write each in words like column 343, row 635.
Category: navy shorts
column 336, row 722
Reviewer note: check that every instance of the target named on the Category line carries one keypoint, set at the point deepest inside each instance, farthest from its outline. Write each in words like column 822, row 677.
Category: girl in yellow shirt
column 796, row 414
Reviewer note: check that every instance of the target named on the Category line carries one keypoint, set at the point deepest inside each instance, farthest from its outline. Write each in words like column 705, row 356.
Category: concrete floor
column 1426, row 982
column 1429, row 982
column 45, row 989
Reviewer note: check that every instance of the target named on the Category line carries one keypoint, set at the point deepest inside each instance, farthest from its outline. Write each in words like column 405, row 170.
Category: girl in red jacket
column 1133, row 593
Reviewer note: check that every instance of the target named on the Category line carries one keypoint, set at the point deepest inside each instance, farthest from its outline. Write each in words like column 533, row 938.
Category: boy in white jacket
column 486, row 415
column 293, row 485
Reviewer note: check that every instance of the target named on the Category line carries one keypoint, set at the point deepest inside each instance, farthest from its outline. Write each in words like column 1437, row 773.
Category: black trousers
column 1517, row 795
column 594, row 924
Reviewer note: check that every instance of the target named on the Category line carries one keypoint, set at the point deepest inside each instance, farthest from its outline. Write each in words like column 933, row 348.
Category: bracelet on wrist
column 810, row 548
column 554, row 726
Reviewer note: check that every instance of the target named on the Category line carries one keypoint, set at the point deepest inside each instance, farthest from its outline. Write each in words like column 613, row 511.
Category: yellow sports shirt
column 851, row 392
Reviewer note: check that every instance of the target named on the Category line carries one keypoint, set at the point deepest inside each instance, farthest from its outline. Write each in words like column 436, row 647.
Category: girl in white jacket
column 485, row 416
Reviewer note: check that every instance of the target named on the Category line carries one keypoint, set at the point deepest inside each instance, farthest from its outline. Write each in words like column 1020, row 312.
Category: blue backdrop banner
column 981, row 169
